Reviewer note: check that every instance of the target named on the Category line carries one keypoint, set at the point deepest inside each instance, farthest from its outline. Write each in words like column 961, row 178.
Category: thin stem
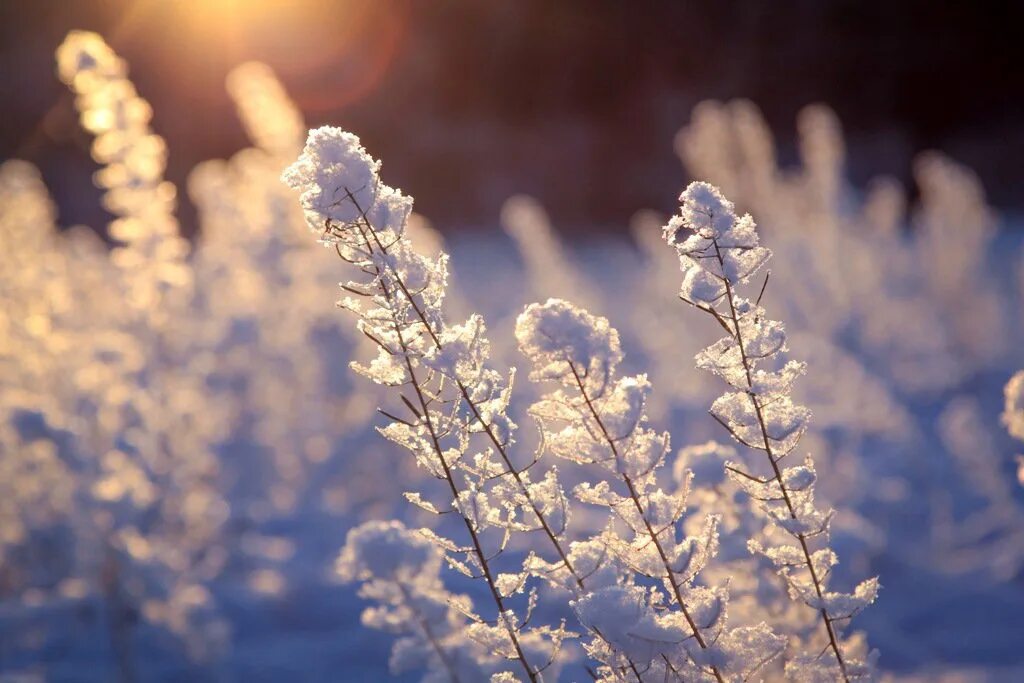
column 449, row 477
column 635, row 496
column 777, row 472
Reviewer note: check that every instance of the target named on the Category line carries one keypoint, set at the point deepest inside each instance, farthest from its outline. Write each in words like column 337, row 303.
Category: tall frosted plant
column 151, row 256
column 597, row 417
column 719, row 254
column 447, row 393
column 149, row 530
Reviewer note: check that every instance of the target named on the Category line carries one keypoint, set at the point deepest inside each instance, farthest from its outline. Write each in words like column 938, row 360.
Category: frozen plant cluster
column 449, row 397
column 132, row 375
column 183, row 446
column 913, row 308
column 676, row 629
column 633, row 584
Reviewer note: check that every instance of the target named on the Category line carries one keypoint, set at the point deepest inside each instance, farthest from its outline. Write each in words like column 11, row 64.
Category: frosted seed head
column 337, row 180
column 705, row 210
column 560, row 339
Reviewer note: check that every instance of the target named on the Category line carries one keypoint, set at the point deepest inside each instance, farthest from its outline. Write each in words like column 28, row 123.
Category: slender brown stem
column 635, row 496
column 777, row 472
column 449, row 477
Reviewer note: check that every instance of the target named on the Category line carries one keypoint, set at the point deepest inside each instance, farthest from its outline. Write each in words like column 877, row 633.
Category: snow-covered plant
column 719, row 254
column 121, row 386
column 399, row 569
column 997, row 524
column 122, row 404
column 655, row 622
column 910, row 295
column 851, row 273
column 133, row 158
column 448, row 394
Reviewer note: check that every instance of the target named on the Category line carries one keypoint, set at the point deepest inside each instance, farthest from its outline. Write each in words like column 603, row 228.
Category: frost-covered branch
column 399, row 569
column 599, row 418
column 439, row 373
column 720, row 251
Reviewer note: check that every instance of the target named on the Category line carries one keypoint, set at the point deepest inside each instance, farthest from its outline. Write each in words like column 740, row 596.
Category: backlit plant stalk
column 599, row 418
column 453, row 394
column 152, row 255
column 150, row 454
column 719, row 252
